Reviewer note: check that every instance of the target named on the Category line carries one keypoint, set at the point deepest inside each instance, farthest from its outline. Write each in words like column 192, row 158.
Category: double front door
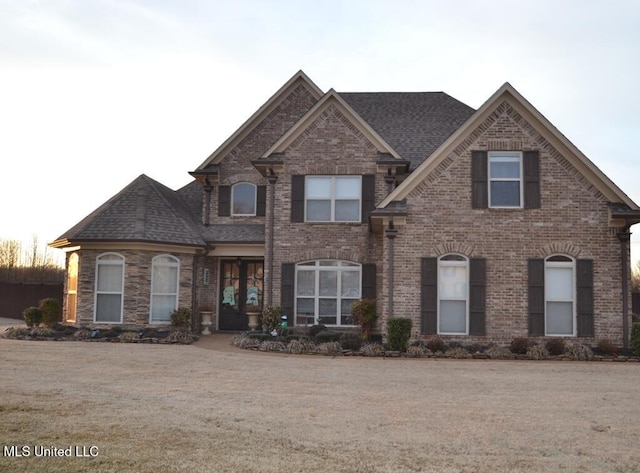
column 241, row 284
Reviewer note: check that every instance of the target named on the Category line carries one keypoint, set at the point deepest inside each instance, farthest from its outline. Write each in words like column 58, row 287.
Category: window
column 505, row 179
column 164, row 287
column 453, row 284
column 109, row 288
column 325, row 290
column 559, row 290
column 333, row 198
column 243, row 199
column 72, row 287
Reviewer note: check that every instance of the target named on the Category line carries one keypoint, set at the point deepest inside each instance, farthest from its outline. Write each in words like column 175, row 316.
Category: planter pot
column 254, row 320
column 206, row 321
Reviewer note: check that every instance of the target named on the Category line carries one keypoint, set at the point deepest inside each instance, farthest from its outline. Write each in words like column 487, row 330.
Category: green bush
column 327, row 336
column 181, row 318
column 635, row 338
column 51, row 311
column 520, row 345
column 364, row 313
column 316, row 329
column 260, row 336
column 556, row 346
column 399, row 333
column 271, row 317
column 351, row 341
column 32, row 316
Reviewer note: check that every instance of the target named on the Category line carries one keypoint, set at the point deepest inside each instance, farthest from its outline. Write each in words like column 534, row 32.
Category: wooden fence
column 15, row 297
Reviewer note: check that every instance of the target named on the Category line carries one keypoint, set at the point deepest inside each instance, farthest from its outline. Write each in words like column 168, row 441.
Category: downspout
column 624, row 236
column 271, row 178
column 391, row 234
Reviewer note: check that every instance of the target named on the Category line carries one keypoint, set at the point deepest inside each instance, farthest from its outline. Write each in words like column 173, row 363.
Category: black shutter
column 369, row 281
column 297, row 198
column 287, row 294
column 536, row 297
column 429, row 296
column 368, row 196
column 531, row 167
column 261, row 201
column 479, row 190
column 584, row 283
column 224, row 201
column 477, row 295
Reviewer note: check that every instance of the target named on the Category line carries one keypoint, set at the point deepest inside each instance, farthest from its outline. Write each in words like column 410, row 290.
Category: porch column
column 391, row 233
column 624, row 236
column 271, row 178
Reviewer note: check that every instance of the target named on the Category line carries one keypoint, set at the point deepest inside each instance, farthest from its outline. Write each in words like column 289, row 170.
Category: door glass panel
column 230, row 285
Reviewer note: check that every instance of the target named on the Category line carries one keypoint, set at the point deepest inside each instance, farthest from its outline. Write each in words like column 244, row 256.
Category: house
column 478, row 224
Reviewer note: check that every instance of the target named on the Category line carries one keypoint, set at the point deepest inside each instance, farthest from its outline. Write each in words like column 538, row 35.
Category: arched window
column 164, row 287
column 109, row 288
column 72, row 287
column 325, row 290
column 559, row 295
column 243, row 199
column 453, row 290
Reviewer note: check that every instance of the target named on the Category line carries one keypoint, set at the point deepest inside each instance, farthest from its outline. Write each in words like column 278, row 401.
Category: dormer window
column 505, row 179
column 243, row 200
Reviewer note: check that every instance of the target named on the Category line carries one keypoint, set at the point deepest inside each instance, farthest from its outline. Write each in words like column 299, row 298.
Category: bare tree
column 635, row 276
column 32, row 265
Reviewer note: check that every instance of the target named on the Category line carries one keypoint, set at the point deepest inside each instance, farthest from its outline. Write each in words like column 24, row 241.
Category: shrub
column 32, row 316
column 316, row 329
column 262, row 337
column 327, row 336
column 635, row 338
column 416, row 351
column 51, row 312
column 271, row 317
column 351, row 341
column 520, row 345
column 245, row 343
column 399, row 333
column 329, row 348
column 365, row 314
column 476, row 348
column 272, row 345
column 180, row 336
column 580, row 352
column 42, row 332
column 436, row 344
column 606, row 347
column 457, row 352
column 539, row 352
column 18, row 332
column 499, row 353
column 372, row 349
column 181, row 318
column 298, row 347
column 556, row 346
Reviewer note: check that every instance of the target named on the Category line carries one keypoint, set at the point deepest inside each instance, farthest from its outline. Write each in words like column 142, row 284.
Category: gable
column 535, row 123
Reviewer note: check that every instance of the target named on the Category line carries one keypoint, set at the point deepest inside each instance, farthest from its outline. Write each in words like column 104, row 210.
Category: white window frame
column 571, row 263
column 444, row 263
column 520, row 180
column 255, row 199
column 120, row 262
column 333, row 199
column 175, row 263
column 341, row 267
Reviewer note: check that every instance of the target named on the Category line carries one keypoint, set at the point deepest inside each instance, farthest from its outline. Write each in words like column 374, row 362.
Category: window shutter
column 429, row 295
column 479, row 190
column 369, row 281
column 287, row 293
column 297, row 198
column 261, row 201
column 477, row 295
column 536, row 297
column 531, row 167
column 224, row 201
column 584, row 283
column 368, row 196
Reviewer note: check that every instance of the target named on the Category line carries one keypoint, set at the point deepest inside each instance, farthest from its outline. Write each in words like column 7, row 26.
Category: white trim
column 175, row 263
column 340, row 268
column 74, row 259
column 255, row 199
column 520, row 180
column 451, row 263
column 332, row 198
column 562, row 264
column 122, row 263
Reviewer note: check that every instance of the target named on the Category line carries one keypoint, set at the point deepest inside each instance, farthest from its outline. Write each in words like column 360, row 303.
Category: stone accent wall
column 573, row 220
column 137, row 285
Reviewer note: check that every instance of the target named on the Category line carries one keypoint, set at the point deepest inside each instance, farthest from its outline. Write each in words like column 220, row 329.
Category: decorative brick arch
column 454, row 247
column 249, row 177
column 328, row 254
column 560, row 247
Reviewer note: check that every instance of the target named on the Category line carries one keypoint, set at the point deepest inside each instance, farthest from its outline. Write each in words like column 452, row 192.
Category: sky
column 94, row 93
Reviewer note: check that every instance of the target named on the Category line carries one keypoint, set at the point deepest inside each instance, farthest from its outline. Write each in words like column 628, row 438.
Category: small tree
column 32, row 316
column 181, row 318
column 364, row 313
column 51, row 312
column 271, row 317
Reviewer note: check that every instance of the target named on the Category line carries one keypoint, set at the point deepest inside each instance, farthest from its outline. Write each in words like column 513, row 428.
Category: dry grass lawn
column 152, row 409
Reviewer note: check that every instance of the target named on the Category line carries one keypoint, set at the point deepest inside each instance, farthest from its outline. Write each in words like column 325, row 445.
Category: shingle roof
column 413, row 123
column 145, row 210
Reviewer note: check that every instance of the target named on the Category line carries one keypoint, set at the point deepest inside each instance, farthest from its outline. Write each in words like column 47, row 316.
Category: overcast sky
column 95, row 92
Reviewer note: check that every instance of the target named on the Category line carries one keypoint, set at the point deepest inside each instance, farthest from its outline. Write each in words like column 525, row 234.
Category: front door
column 241, row 282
